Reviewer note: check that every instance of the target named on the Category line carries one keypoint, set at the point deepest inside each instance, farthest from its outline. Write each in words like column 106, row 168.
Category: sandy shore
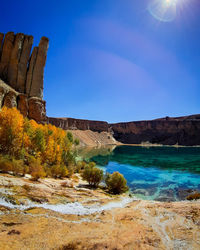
column 66, row 214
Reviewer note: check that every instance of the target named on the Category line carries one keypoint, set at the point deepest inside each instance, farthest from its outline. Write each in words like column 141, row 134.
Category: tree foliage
column 22, row 139
column 116, row 183
column 92, row 174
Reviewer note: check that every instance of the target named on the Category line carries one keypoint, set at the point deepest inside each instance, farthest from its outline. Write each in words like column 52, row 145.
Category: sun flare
column 163, row 10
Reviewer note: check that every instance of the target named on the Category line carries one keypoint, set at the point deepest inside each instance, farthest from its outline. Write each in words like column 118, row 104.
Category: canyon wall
column 167, row 131
column 22, row 73
column 73, row 124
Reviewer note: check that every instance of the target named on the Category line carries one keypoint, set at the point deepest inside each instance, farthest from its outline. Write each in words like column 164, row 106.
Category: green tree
column 70, row 137
column 92, row 175
column 39, row 140
column 116, row 183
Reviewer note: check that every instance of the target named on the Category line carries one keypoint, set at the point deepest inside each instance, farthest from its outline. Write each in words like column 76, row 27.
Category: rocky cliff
column 167, row 131
column 73, row 124
column 22, row 73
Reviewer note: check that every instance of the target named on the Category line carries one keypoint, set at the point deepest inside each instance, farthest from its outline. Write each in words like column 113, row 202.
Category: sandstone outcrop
column 73, row 124
column 38, row 71
column 23, row 104
column 23, row 62
column 23, row 72
column 37, row 109
column 31, row 107
column 10, row 99
column 167, row 131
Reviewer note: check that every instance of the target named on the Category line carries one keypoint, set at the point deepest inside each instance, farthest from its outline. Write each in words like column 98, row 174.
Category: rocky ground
column 65, row 214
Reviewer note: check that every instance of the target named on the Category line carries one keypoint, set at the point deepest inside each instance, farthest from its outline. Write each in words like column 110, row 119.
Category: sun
column 163, row 10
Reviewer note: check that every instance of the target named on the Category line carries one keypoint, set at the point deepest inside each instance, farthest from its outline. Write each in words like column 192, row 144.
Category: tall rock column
column 14, row 60
column 1, row 43
column 36, row 89
column 6, row 54
column 31, row 66
column 23, row 64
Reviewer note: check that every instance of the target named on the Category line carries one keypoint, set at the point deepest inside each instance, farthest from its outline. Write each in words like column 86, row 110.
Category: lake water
column 155, row 173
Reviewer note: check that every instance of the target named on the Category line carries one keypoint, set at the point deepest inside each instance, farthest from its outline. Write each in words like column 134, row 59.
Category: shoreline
column 95, row 220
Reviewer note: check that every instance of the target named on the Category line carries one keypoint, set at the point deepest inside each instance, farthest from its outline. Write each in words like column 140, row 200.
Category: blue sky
column 111, row 59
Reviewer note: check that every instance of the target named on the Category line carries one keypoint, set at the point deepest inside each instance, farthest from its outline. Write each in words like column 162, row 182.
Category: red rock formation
column 2, row 94
column 10, row 99
column 38, row 70
column 166, row 131
column 30, row 71
column 70, row 123
column 14, row 60
column 22, row 104
column 23, row 62
column 37, row 109
column 23, row 73
column 1, row 42
column 5, row 56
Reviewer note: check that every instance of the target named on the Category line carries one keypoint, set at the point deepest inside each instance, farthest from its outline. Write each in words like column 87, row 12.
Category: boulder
column 37, row 109
column 10, row 99
column 22, row 104
column 2, row 94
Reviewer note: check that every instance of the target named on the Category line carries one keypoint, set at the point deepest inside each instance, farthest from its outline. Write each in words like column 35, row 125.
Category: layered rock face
column 167, row 131
column 24, row 73
column 73, row 124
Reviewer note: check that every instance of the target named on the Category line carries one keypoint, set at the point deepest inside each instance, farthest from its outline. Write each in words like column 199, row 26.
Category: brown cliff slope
column 167, row 131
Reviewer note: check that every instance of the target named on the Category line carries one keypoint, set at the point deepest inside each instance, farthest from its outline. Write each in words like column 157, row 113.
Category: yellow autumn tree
column 11, row 131
column 46, row 145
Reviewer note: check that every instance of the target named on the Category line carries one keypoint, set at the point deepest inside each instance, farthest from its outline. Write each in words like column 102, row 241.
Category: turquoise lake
column 155, row 173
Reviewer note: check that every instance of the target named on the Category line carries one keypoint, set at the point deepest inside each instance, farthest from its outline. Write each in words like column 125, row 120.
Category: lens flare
column 163, row 10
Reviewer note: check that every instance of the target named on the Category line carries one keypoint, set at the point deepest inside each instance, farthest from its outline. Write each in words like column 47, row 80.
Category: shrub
column 36, row 169
column 5, row 164
column 92, row 175
column 70, row 171
column 18, row 167
column 59, row 171
column 80, row 166
column 76, row 142
column 116, row 183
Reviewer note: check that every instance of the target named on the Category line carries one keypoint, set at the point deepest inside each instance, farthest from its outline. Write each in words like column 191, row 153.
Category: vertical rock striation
column 24, row 73
column 6, row 54
column 29, row 78
column 38, row 71
column 23, row 64
column 1, row 43
column 14, row 60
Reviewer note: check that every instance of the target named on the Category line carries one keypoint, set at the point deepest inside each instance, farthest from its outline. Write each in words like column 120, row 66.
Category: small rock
column 13, row 232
